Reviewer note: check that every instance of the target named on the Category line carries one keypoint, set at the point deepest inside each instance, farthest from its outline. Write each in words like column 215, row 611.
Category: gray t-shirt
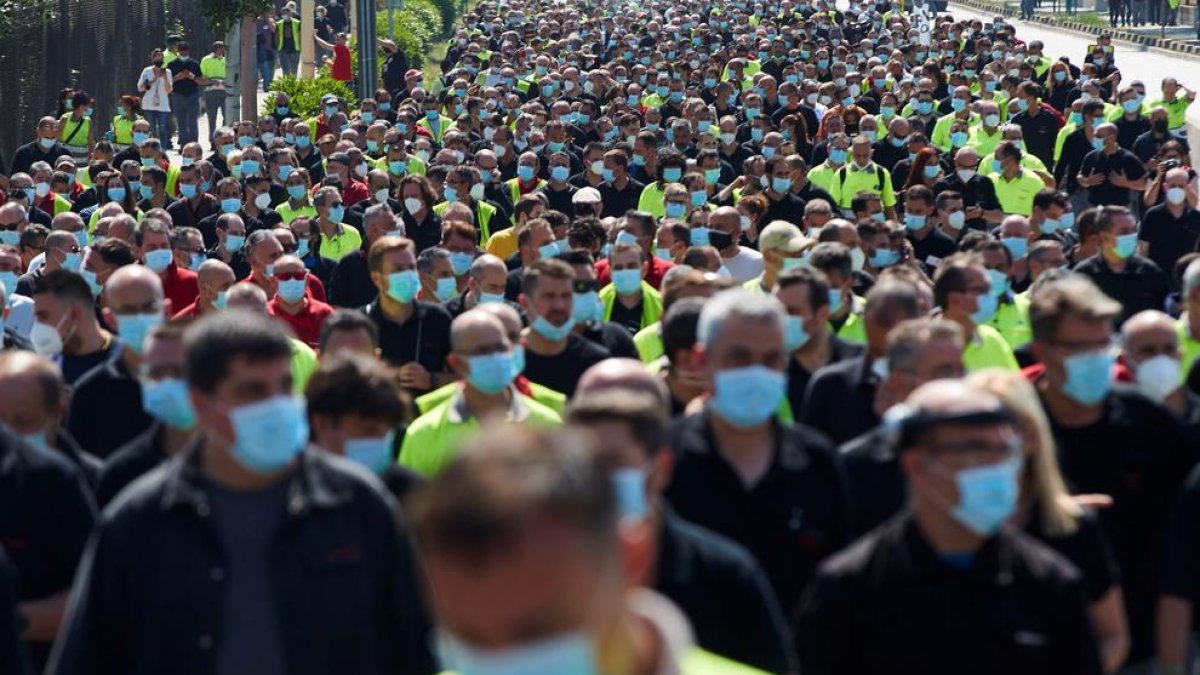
column 246, row 523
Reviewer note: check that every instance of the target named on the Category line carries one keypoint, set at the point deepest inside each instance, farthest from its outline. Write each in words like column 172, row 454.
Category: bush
column 305, row 95
column 420, row 26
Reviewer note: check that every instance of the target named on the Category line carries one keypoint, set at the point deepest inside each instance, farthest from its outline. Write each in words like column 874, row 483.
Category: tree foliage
column 221, row 15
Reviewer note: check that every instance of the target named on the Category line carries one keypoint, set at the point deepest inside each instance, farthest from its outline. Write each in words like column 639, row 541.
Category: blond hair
column 1060, row 514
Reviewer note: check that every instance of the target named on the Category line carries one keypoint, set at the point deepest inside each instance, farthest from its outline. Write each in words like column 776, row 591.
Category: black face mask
column 1160, row 126
column 719, row 240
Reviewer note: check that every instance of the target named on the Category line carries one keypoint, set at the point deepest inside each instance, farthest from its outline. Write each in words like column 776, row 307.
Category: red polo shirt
column 306, row 323
column 654, row 272
column 189, row 313
column 181, row 287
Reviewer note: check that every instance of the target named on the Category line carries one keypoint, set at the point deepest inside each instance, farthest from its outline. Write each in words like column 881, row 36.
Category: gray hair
column 736, row 304
column 430, row 257
column 483, row 262
column 378, row 211
column 905, row 341
column 323, row 193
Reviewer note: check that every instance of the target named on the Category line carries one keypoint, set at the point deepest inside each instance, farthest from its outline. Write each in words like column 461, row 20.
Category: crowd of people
column 647, row 337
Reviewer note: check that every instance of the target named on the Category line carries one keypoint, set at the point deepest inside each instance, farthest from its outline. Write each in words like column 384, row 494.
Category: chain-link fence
column 100, row 46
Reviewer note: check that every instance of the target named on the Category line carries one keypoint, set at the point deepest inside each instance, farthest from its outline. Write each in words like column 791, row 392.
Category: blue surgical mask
column 375, row 452
column 1126, row 245
column 837, row 156
column 884, row 257
column 835, row 300
column 485, row 298
column 551, row 332
column 295, row 191
column 292, row 290
column 167, row 400
column 234, row 242
column 571, row 653
column 230, row 205
column 403, row 286
column 747, row 397
column 269, row 434
column 999, row 281
column 445, row 288
column 987, row 496
column 491, row 373
column 187, row 190
column 587, row 307
column 337, row 213
column 672, row 174
column 1017, row 246
column 986, row 304
column 913, row 221
column 159, row 260
column 699, row 236
column 627, row 282
column 460, row 263
column 781, row 185
column 794, row 335
column 1088, row 376
column 133, row 328
column 116, row 194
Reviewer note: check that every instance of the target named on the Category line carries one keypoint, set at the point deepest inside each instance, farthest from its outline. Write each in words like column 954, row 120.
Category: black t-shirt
column 106, row 408
column 185, row 87
column 561, row 372
column 1142, row 285
column 799, row 377
column 617, row 201
column 426, row 234
column 1170, row 238
column 1181, row 563
column 560, row 200
column 629, row 318
column 131, row 461
column 74, row 367
column 1135, row 453
column 424, row 337
column 789, row 208
column 933, row 248
column 351, row 285
column 1086, row 547
column 1096, row 162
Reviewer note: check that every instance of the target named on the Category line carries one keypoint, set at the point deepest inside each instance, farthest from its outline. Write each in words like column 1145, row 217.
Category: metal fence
column 100, row 46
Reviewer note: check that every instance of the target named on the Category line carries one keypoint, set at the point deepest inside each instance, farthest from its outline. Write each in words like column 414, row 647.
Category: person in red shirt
column 353, row 190
column 262, row 250
column 216, row 278
column 153, row 239
column 638, row 225
column 340, row 63
column 291, row 303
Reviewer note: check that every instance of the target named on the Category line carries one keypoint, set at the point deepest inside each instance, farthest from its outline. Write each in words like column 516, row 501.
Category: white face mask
column 45, row 339
column 1159, row 377
column 263, row 201
column 361, row 169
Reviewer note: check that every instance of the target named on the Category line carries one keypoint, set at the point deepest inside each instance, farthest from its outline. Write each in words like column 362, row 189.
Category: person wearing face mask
column 724, row 453
column 153, row 239
column 106, row 410
column 963, row 289
column 959, row 452
column 589, row 308
column 215, row 279
column 624, row 406
column 194, row 204
column 1149, row 145
column 628, row 300
column 235, row 484
column 723, row 231
column 592, row 618
column 1167, row 228
column 336, row 240
column 1134, row 281
column 44, row 148
column 487, row 363
column 292, row 305
column 862, row 174
column 10, row 339
column 1097, row 426
column 555, row 355
column 1110, row 172
column 164, row 396
column 805, row 293
column 1015, row 186
column 839, row 400
column 1150, row 347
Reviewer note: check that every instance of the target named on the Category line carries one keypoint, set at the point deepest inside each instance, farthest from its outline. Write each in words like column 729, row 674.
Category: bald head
column 476, row 332
column 1146, row 323
column 133, row 283
column 213, row 272
column 506, row 314
column 68, row 221
column 627, row 374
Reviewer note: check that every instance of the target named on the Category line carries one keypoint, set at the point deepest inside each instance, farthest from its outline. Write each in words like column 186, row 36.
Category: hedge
column 305, row 95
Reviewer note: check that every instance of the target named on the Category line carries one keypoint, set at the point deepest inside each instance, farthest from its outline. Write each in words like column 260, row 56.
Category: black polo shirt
column 106, row 408
column 791, row 519
column 931, row 249
column 724, row 594
column 350, row 284
column 1135, row 453
column 1170, row 238
column 978, row 191
column 189, row 212
column 1141, row 286
column 425, row 234
column 46, row 515
column 840, row 399
column 208, row 226
column 790, row 208
column 130, row 462
column 799, row 377
column 877, row 489
column 424, row 337
column 812, row 191
column 1039, row 128
column 562, row 371
column 1122, row 160
column 891, row 604
column 617, row 201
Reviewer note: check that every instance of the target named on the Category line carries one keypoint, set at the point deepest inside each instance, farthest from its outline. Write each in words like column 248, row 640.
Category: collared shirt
column 988, row 349
column 424, row 337
column 306, row 323
column 840, row 399
column 724, row 593
column 1142, row 285
column 433, row 439
column 850, row 180
column 344, row 241
column 1170, row 238
column 1016, row 195
column 152, row 591
column 106, row 408
column 1018, row 608
column 180, row 286
column 795, row 515
column 1099, row 162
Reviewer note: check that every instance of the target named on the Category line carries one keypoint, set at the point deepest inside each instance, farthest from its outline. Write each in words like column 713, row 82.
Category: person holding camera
column 155, row 86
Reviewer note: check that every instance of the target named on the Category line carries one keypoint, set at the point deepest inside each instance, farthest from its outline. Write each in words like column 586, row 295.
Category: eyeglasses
column 291, row 276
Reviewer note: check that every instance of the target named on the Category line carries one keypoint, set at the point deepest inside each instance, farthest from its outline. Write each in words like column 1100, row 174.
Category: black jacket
column 840, row 401
column 888, row 604
column 148, row 598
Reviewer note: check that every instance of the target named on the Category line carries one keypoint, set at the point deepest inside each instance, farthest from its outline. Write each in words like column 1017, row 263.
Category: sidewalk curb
column 1181, row 47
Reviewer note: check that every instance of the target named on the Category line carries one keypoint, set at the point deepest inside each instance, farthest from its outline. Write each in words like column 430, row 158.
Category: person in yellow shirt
column 337, row 240
column 987, row 134
column 487, row 361
column 963, row 290
column 503, row 244
column 781, row 244
column 960, row 104
column 1015, row 186
column 629, row 301
column 1011, row 319
column 1175, row 105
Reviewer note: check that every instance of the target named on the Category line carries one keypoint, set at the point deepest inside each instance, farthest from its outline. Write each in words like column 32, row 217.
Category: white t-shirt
column 746, row 265
column 155, row 98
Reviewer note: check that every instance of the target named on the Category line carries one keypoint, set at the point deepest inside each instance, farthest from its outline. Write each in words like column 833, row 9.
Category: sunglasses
column 290, row 276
